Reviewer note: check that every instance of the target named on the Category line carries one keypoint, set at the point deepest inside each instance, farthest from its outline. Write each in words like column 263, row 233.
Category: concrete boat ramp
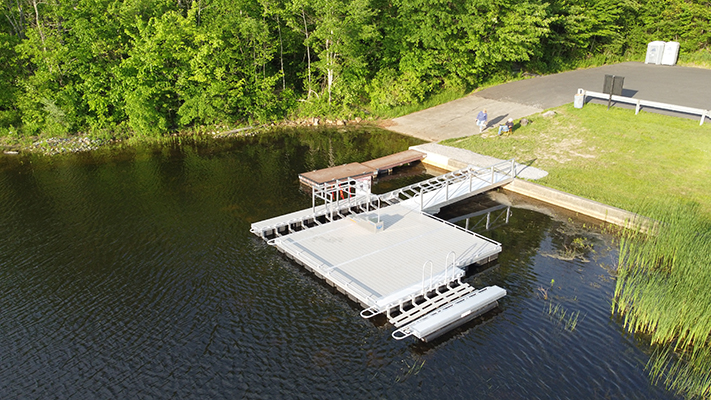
column 390, row 254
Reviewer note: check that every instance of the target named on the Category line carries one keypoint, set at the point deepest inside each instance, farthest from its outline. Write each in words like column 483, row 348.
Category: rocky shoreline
column 78, row 144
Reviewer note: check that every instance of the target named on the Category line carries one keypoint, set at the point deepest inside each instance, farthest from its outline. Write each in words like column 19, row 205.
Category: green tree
column 430, row 44
column 337, row 36
column 230, row 72
column 156, row 62
column 10, row 70
column 688, row 22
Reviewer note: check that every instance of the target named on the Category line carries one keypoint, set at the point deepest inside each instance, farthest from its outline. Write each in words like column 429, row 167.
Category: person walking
column 481, row 119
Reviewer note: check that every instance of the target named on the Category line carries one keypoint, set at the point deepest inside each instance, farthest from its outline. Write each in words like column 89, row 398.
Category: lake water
column 132, row 274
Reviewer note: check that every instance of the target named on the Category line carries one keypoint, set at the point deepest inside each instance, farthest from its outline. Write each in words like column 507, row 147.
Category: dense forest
column 154, row 66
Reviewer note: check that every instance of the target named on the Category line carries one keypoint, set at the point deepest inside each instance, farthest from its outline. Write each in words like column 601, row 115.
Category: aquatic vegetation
column 558, row 313
column 663, row 290
column 544, row 291
column 410, row 370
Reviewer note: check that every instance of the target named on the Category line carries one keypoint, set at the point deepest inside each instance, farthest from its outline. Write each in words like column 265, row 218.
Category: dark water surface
column 134, row 275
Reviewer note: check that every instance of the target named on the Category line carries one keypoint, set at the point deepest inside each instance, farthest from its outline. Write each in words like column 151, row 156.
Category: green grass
column 657, row 166
column 700, row 58
column 612, row 156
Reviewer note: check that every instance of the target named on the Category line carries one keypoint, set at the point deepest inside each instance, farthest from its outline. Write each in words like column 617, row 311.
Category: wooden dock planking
column 353, row 170
column 360, row 170
column 395, row 160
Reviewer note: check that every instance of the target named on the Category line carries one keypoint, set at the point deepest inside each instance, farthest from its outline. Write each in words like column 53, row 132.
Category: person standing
column 481, row 119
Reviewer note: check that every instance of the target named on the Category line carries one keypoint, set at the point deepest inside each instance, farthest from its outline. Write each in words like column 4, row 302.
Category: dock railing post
column 378, row 209
column 424, row 292
column 513, row 167
column 446, row 266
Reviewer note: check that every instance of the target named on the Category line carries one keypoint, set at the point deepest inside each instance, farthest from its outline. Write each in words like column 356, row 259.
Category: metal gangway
column 430, row 195
column 347, row 197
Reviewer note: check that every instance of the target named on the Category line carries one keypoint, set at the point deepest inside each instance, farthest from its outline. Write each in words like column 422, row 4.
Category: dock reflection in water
column 135, row 275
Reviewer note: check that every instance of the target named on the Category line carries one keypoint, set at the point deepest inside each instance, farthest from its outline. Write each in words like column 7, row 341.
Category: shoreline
column 81, row 142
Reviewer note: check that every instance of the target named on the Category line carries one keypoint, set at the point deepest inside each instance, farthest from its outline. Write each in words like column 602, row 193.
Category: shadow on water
column 133, row 274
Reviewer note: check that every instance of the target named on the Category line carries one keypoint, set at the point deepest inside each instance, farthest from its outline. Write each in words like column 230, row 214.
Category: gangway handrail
column 447, row 264
column 423, row 276
column 450, row 178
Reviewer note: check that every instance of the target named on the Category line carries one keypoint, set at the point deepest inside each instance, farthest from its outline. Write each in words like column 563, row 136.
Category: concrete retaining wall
column 581, row 205
column 451, row 159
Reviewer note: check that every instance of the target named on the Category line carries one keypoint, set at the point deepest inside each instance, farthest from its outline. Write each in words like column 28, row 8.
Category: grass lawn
column 611, row 156
column 657, row 166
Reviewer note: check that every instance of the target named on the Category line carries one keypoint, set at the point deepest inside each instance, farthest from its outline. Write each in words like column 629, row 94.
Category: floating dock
column 365, row 170
column 389, row 254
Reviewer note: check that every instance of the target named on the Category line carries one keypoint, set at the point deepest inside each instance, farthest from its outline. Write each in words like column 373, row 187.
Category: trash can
column 579, row 99
column 671, row 53
column 654, row 53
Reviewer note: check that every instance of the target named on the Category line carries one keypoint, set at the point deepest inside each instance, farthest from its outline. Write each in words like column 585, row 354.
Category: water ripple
column 136, row 276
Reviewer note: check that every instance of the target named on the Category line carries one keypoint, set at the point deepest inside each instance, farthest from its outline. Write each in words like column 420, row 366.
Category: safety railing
column 490, row 175
column 638, row 103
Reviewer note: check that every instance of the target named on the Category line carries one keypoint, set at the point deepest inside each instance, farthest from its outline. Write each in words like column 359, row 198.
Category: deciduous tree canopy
column 154, row 66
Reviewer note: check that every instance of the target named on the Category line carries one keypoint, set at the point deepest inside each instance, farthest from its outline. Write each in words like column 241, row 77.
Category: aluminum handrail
column 438, row 182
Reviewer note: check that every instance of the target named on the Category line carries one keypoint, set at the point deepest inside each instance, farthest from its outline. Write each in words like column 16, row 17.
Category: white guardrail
column 647, row 103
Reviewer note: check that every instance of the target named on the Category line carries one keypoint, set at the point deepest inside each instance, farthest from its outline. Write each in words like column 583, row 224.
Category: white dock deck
column 389, row 254
column 413, row 252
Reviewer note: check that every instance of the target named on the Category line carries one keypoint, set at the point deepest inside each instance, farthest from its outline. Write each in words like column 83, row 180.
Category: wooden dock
column 365, row 170
column 387, row 163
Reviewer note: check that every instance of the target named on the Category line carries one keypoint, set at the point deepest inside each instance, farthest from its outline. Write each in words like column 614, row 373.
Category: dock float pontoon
column 389, row 254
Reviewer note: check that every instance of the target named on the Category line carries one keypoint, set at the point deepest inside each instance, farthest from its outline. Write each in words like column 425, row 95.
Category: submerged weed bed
column 663, row 289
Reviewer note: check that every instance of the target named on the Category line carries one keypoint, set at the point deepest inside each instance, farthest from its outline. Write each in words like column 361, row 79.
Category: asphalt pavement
column 684, row 86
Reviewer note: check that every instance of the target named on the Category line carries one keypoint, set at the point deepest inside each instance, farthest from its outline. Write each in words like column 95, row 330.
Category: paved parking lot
column 683, row 86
